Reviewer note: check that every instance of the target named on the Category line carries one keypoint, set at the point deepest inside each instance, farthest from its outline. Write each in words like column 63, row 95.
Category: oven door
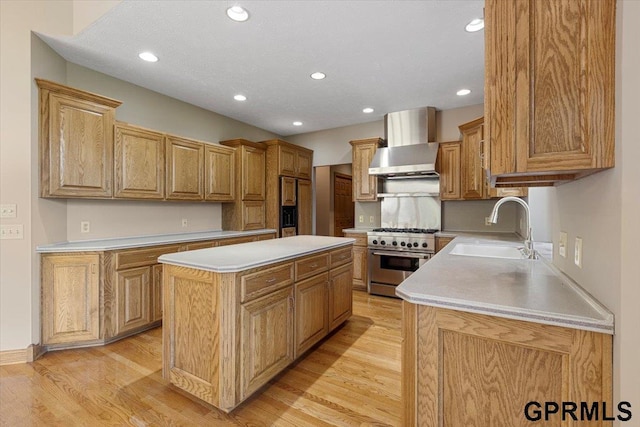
column 387, row 269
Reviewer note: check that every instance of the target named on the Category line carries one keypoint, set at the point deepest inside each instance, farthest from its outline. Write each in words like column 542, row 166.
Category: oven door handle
column 402, row 254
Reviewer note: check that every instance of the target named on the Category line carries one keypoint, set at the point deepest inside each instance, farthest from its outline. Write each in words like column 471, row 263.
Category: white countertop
column 530, row 290
column 142, row 241
column 227, row 259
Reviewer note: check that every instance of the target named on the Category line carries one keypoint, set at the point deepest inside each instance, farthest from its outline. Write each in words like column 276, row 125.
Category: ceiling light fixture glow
column 475, row 25
column 367, row 110
column 463, row 92
column 318, row 75
column 238, row 13
column 148, row 56
column 240, row 97
column 297, row 123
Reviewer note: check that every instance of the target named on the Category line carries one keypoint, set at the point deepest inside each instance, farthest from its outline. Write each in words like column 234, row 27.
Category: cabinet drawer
column 361, row 239
column 341, row 256
column 201, row 245
column 142, row 257
column 311, row 266
column 263, row 282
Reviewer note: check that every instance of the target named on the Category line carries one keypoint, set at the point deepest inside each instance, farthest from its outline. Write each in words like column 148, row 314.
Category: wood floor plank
column 352, row 378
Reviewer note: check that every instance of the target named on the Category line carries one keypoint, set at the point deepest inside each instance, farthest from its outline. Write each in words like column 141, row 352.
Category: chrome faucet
column 528, row 243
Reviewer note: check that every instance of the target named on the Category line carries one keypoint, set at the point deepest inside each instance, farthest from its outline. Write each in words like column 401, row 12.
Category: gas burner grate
column 407, row 230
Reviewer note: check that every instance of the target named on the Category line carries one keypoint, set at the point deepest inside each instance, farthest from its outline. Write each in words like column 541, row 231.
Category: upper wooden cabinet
column 365, row 186
column 76, row 142
column 549, row 101
column 185, row 164
column 472, row 174
column 253, row 170
column 449, row 169
column 291, row 160
column 288, row 188
column 139, row 163
column 219, row 173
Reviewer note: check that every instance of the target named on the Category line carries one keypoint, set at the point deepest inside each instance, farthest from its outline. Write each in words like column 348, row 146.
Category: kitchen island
column 484, row 336
column 234, row 317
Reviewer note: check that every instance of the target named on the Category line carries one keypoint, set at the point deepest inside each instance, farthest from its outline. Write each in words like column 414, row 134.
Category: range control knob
column 383, row 242
column 394, row 243
column 415, row 245
column 375, row 242
column 403, row 244
column 424, row 245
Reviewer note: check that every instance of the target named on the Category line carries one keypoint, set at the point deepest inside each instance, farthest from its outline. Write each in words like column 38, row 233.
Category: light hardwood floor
column 351, row 379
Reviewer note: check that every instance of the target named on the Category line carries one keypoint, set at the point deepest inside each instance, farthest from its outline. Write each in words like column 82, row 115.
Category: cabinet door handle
column 314, row 265
column 269, row 281
column 93, row 269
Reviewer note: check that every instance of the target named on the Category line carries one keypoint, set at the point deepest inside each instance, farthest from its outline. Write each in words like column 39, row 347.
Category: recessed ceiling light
column 475, row 25
column 240, row 97
column 297, row 123
column 148, row 56
column 238, row 13
column 318, row 75
column 463, row 92
column 367, row 110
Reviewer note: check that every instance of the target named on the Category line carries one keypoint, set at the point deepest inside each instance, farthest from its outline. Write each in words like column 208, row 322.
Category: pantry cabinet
column 549, row 101
column 76, row 142
column 365, row 186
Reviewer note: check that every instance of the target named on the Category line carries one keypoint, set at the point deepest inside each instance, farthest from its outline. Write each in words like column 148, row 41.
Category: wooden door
column 472, row 174
column 253, row 173
column 450, row 171
column 139, row 163
column 303, row 164
column 132, row 298
column 312, row 321
column 156, row 292
column 287, row 191
column 70, row 298
column 220, row 173
column 365, row 186
column 305, row 200
column 266, row 339
column 252, row 215
column 185, row 164
column 340, row 295
column 343, row 205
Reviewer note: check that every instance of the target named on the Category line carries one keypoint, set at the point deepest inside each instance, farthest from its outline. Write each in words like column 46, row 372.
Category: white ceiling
column 389, row 55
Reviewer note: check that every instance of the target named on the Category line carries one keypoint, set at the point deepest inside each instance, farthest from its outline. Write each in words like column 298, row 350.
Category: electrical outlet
column 361, row 219
column 85, row 226
column 578, row 254
column 487, row 220
column 13, row 231
column 8, row 211
column 184, row 222
column 562, row 244
column 372, row 219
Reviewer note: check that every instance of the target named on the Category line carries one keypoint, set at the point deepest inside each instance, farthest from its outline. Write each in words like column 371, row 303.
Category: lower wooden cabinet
column 266, row 339
column 442, row 241
column 133, row 292
column 340, row 296
column 360, row 260
column 312, row 312
column 70, row 298
column 156, row 293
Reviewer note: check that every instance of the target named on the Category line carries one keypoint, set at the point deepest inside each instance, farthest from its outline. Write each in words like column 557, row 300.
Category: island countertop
column 530, row 290
column 244, row 256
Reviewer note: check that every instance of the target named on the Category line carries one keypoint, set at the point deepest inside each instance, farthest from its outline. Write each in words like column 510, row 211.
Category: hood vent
column 411, row 150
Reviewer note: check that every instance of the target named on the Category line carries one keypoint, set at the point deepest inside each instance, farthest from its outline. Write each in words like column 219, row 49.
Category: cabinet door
column 139, row 163
column 70, row 298
column 266, row 339
column 303, row 164
column 304, row 207
column 252, row 215
column 450, row 171
column 288, row 232
column 340, row 295
column 312, row 321
column 287, row 191
column 79, row 158
column 286, row 161
column 441, row 242
column 156, row 292
column 253, row 169
column 365, row 186
column 549, row 101
column 360, row 268
column 185, row 163
column 132, row 298
column 472, row 175
column 219, row 173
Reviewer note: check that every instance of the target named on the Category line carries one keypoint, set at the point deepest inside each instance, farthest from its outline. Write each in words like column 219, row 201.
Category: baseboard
column 29, row 354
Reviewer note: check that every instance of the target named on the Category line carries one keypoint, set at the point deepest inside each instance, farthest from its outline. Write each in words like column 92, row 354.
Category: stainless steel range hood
column 411, row 150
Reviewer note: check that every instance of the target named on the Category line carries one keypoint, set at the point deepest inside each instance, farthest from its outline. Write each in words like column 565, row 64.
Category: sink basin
column 487, row 251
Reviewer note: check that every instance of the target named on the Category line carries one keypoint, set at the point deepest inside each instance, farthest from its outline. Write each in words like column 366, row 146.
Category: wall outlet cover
column 85, row 226
column 361, row 219
column 185, row 222
column 8, row 211
column 562, row 244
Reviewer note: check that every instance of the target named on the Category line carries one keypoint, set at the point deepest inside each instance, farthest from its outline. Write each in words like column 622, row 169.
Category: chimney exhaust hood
column 411, row 151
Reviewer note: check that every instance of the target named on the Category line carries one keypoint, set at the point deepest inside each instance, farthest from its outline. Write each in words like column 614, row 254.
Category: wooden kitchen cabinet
column 253, row 170
column 305, row 201
column 549, row 101
column 312, row 319
column 449, row 164
column 442, row 241
column 139, row 163
column 340, row 295
column 219, row 173
column 70, row 298
column 290, row 159
column 156, row 293
column 76, row 142
column 365, row 186
column 185, row 165
column 360, row 260
column 495, row 366
column 288, row 191
column 471, row 155
column 133, row 298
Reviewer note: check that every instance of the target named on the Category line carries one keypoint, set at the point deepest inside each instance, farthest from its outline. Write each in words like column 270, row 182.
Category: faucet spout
column 528, row 242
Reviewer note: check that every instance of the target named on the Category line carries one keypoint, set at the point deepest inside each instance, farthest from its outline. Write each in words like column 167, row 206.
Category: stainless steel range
column 394, row 254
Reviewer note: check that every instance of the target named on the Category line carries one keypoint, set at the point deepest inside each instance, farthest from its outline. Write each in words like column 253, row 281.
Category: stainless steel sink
column 487, row 251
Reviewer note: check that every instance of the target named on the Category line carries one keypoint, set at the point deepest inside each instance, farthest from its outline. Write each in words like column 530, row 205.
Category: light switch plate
column 562, row 244
column 185, row 222
column 371, row 219
column 11, row 232
column 578, row 252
